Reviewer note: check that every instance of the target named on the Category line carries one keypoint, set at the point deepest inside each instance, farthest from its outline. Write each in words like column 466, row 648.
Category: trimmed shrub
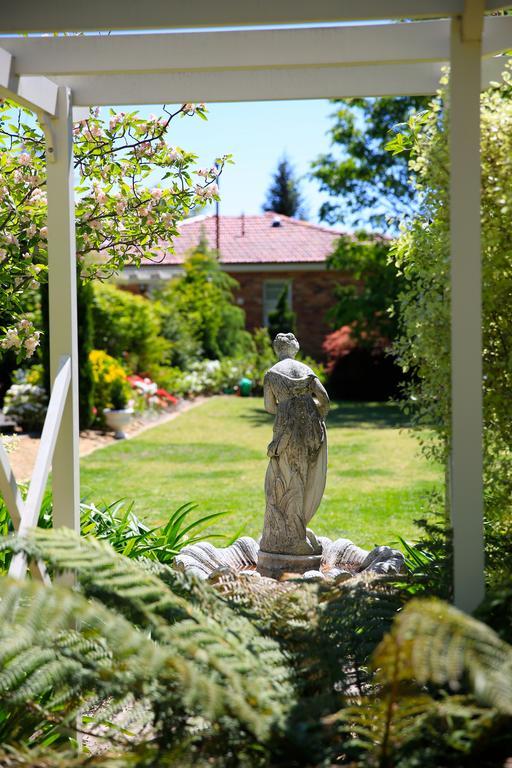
column 128, row 327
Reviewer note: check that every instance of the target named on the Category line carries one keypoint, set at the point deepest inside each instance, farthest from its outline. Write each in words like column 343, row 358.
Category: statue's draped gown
column 295, row 479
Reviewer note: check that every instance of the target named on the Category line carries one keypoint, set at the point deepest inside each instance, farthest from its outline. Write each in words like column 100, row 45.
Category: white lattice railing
column 25, row 513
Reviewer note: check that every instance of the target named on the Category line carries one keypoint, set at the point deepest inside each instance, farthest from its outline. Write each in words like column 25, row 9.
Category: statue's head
column 286, row 345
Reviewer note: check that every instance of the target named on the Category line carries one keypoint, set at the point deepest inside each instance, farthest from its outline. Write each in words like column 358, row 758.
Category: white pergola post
column 466, row 490
column 62, row 309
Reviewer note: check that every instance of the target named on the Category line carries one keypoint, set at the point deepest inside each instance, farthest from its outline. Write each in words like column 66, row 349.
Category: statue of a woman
column 295, row 479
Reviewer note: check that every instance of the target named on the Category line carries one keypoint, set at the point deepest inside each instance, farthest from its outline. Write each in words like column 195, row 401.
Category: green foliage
column 127, row 534
column 203, row 300
column 26, row 400
column 284, row 195
column 127, row 327
column 421, row 255
column 366, row 183
column 444, row 646
column 368, row 302
column 234, row 673
column 85, row 345
column 205, row 674
column 262, row 358
column 108, row 375
column 282, row 319
column 117, row 524
column 118, row 395
column 119, row 218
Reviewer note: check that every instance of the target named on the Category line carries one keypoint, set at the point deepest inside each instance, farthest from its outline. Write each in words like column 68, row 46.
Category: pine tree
column 284, row 195
column 282, row 319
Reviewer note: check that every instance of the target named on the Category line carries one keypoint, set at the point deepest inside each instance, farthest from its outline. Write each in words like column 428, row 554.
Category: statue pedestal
column 274, row 566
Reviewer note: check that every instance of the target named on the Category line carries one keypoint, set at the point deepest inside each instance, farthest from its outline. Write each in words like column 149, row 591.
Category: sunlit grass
column 215, row 455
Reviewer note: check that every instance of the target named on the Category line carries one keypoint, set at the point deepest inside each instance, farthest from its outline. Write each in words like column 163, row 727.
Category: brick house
column 264, row 253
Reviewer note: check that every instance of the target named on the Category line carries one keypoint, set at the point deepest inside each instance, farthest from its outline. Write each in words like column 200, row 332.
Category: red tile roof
column 254, row 239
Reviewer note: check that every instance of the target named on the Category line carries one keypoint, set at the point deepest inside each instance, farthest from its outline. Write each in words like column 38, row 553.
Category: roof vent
column 276, row 222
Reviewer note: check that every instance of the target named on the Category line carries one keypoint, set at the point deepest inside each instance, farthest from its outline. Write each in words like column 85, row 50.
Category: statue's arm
column 321, row 397
column 269, row 399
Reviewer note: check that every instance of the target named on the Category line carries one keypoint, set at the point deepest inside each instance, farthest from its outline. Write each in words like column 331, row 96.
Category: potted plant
column 118, row 416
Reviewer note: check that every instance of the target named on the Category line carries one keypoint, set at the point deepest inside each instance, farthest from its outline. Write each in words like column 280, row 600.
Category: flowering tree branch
column 133, row 189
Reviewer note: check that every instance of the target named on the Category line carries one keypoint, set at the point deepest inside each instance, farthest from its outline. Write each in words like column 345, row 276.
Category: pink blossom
column 31, row 343
column 25, row 159
column 156, row 193
column 100, row 195
column 43, row 232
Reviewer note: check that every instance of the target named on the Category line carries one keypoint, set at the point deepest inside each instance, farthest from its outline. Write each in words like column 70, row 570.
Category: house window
column 272, row 290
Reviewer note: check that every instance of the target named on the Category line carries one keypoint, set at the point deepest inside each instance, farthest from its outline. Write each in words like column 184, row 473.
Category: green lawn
column 215, row 455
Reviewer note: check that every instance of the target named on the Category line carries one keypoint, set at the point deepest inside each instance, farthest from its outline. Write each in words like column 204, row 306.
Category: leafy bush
column 26, row 401
column 203, row 300
column 108, row 375
column 127, row 327
column 359, row 367
column 422, row 255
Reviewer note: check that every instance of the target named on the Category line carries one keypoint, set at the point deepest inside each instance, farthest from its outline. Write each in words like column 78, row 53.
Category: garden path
column 24, row 447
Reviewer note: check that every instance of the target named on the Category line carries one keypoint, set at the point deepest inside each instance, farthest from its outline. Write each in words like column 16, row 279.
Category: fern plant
column 432, row 650
column 129, row 636
column 237, row 674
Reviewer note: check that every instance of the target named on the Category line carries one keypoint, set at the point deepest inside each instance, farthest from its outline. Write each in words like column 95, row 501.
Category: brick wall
column 312, row 296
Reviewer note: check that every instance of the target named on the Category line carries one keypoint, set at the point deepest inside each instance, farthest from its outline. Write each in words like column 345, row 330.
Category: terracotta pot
column 118, row 420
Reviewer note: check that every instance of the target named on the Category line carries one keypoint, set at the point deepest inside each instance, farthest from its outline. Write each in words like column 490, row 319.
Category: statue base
column 273, row 566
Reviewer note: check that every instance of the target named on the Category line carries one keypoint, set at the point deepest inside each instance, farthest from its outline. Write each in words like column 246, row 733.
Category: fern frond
column 445, row 646
column 213, row 665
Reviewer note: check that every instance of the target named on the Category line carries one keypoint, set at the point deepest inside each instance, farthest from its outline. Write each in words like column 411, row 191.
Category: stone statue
column 295, row 479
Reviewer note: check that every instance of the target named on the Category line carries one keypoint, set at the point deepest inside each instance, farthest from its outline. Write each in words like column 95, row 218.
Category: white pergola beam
column 36, row 93
column 255, row 85
column 245, row 50
column 65, row 16
column 241, row 49
column 264, row 85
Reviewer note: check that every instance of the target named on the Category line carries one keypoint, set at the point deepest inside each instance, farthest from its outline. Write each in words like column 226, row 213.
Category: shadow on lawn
column 348, row 414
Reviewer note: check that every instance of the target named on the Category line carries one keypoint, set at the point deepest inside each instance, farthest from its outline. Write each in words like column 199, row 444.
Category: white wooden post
column 466, row 493
column 62, row 310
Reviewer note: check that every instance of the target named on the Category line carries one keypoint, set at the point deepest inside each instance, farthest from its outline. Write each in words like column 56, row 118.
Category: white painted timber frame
column 227, row 62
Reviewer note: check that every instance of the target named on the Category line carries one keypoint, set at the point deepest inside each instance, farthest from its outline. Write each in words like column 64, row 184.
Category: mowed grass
column 215, row 455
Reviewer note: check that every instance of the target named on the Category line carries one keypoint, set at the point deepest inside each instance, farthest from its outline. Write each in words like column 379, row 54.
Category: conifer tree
column 284, row 195
column 282, row 319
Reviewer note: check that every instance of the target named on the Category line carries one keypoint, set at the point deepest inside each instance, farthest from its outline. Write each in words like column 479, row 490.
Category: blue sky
column 256, row 134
